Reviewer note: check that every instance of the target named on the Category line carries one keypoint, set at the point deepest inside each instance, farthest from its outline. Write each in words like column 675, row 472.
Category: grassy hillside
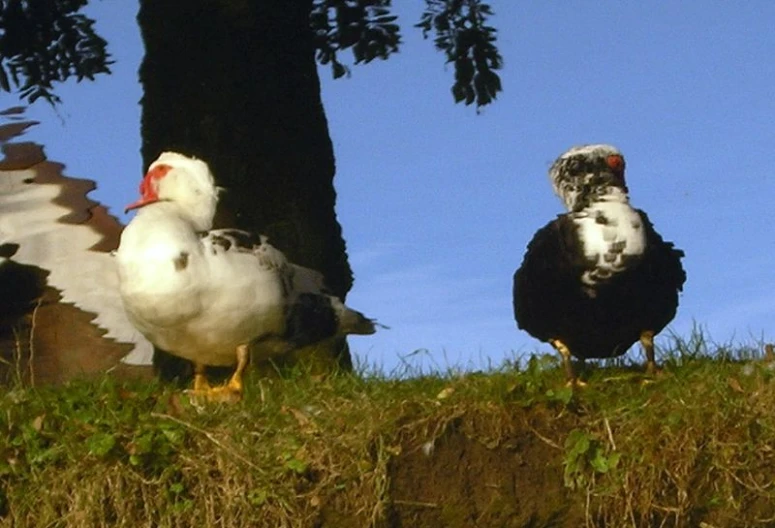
column 511, row 447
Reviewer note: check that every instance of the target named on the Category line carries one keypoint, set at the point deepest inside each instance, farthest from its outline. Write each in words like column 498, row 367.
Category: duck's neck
column 167, row 213
column 158, row 228
column 577, row 200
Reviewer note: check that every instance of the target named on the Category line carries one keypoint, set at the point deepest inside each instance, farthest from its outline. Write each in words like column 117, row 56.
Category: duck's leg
column 235, row 382
column 231, row 391
column 647, row 341
column 201, row 385
column 570, row 374
column 202, row 388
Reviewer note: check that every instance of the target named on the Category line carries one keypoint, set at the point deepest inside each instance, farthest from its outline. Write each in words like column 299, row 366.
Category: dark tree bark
column 234, row 82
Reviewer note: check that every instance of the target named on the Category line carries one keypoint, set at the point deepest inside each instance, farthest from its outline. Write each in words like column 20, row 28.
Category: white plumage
column 612, row 235
column 205, row 295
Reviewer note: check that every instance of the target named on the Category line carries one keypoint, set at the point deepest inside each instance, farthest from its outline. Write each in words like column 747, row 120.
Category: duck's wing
column 549, row 278
column 310, row 312
column 663, row 258
column 295, row 279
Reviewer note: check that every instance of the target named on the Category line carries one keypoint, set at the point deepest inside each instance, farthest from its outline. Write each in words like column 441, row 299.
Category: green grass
column 695, row 445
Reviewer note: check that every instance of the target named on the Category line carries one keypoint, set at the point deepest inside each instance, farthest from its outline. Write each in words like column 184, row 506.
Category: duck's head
column 182, row 180
column 584, row 173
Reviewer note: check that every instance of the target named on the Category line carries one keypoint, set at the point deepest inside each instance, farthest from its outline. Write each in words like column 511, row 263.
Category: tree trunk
column 234, row 82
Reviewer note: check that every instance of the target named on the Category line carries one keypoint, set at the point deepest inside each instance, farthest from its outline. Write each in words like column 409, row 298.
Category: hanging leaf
column 469, row 43
column 46, row 42
column 366, row 27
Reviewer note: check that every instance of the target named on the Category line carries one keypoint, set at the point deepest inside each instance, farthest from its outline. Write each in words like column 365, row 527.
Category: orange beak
column 149, row 187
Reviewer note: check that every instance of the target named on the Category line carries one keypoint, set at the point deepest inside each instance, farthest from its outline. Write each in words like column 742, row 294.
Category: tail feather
column 354, row 322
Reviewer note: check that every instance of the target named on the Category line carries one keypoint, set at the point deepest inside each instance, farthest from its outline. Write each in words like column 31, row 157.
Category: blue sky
column 437, row 203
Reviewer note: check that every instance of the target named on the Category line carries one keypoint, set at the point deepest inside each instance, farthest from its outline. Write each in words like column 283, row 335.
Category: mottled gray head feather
column 585, row 172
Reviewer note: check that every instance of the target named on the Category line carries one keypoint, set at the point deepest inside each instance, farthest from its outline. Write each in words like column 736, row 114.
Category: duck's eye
column 574, row 166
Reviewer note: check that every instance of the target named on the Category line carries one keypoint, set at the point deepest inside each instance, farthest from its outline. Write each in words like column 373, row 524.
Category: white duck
column 205, row 295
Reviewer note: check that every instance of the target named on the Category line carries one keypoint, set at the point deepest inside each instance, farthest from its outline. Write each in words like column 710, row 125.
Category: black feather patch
column 310, row 319
column 240, row 240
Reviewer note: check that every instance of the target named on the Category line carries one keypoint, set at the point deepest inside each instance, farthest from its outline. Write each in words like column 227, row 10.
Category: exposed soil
column 516, row 481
